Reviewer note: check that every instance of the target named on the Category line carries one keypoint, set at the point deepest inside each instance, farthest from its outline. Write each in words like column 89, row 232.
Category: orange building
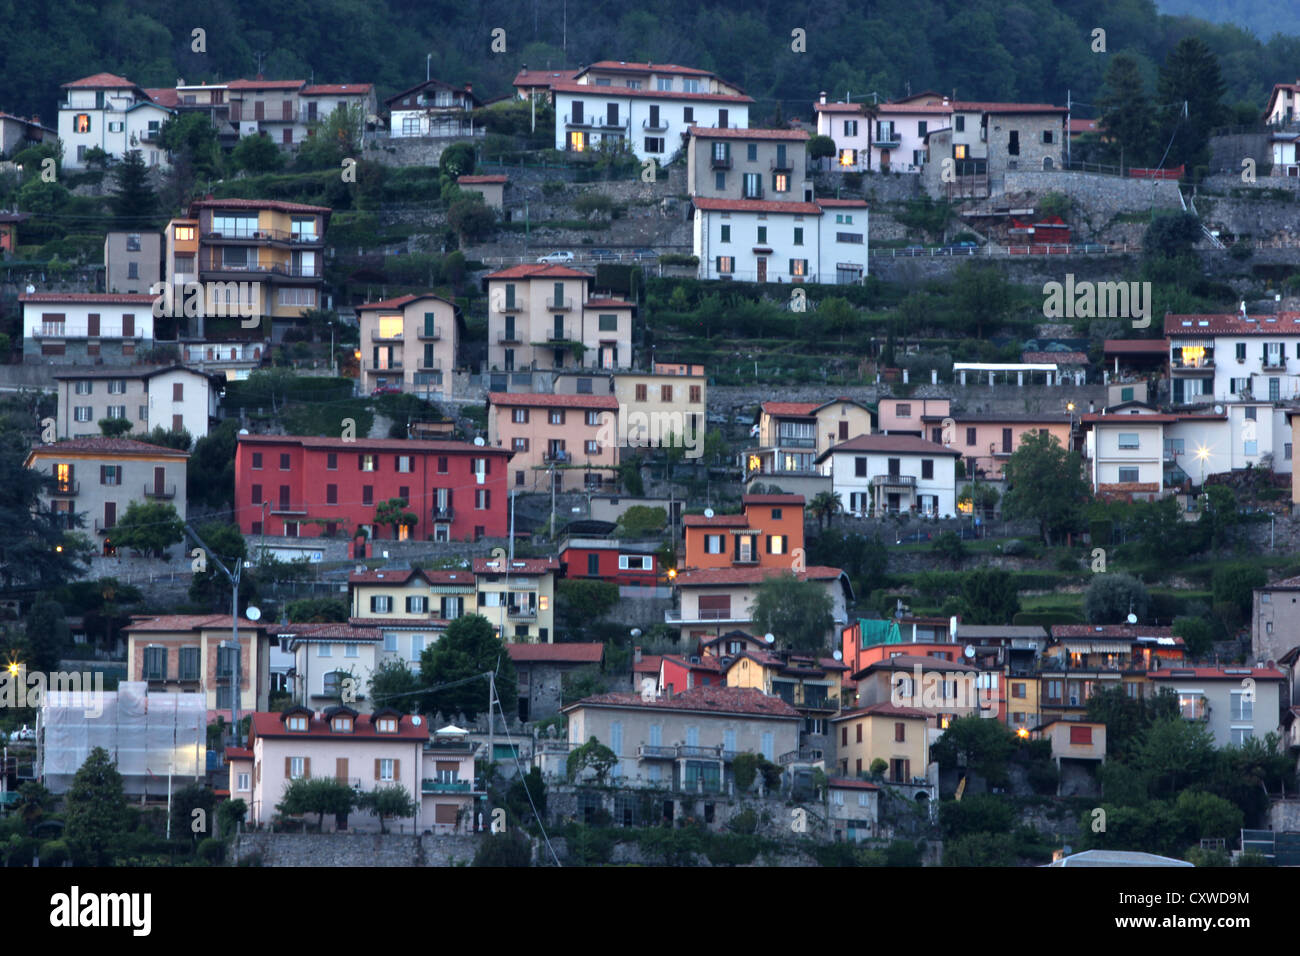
column 767, row 534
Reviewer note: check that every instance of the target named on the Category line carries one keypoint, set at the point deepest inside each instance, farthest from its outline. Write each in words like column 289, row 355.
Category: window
column 1081, row 736
column 607, row 323
column 798, row 268
column 726, row 265
column 155, row 663
column 1129, row 441
column 762, row 234
column 556, row 416
column 900, row 731
column 82, row 413
column 386, row 767
column 242, row 784
column 297, row 765
column 519, row 444
column 859, row 467
column 688, row 114
column 324, row 649
column 1243, row 705
column 482, row 499
column 696, row 392
column 183, row 233
column 641, row 393
column 720, row 183
column 959, row 124
column 110, row 474
column 798, row 235
column 368, row 462
column 776, row 544
column 367, row 494
column 81, row 123
column 386, row 725
column 927, row 469
column 593, row 448
column 592, row 419
column 713, row 544
column 380, row 604
column 1127, row 475
column 664, row 83
column 753, row 186
column 257, row 495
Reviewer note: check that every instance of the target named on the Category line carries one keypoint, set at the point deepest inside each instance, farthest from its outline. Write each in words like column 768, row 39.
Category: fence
column 1032, row 249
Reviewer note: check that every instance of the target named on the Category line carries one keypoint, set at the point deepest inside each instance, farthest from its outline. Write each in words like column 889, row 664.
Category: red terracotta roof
column 908, row 661
column 967, row 106
column 883, row 709
column 273, row 204
column 721, row 577
column 756, row 205
column 238, row 753
column 1136, row 346
column 399, row 302
column 519, row 566
column 709, row 132
column 164, row 97
column 330, row 630
column 649, row 664
column 708, row 699
column 188, row 622
column 712, row 664
column 402, row 576
column 401, row 624
column 585, row 652
column 846, row 783
column 609, row 304
column 842, row 203
column 1128, row 631
column 335, row 89
column 103, row 81
column 898, row 444
column 109, row 446
column 88, row 298
column 792, row 409
column 481, row 180
column 624, row 66
column 1231, row 323
column 539, row 270
column 552, row 401
column 1083, row 125
column 840, row 107
column 542, row 78
column 412, row 445
column 270, row 725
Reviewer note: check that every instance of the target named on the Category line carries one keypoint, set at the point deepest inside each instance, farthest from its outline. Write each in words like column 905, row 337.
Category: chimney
column 823, row 96
column 636, row 655
column 1092, row 408
column 469, row 87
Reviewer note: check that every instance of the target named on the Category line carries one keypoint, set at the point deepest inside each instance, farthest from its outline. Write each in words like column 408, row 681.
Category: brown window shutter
column 397, row 770
column 288, row 767
column 306, row 766
column 341, row 769
column 376, row 768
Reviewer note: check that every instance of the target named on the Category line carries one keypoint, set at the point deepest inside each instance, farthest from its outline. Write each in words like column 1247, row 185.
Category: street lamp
column 1202, row 454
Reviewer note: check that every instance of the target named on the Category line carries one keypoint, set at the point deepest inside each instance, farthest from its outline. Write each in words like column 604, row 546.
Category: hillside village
column 603, row 473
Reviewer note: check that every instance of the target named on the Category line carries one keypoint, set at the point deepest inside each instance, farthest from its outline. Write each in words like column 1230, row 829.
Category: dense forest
column 1259, row 16
column 1030, row 50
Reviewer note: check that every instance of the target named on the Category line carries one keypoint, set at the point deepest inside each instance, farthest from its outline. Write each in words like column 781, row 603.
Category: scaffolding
column 149, row 736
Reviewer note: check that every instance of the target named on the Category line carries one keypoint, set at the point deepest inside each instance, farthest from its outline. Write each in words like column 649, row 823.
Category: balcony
column 754, row 193
column 894, row 481
column 561, row 304
column 779, row 165
column 526, row 613
column 784, row 441
column 509, row 338
column 431, row 333
column 654, row 752
column 276, row 270
column 265, row 235
column 559, row 335
column 578, row 122
column 693, row 752
column 443, row 514
column 289, row 508
column 433, row 365
column 510, row 305
column 61, row 331
column 377, row 336
column 66, row 489
column 1274, row 363
column 720, row 162
column 889, row 141
column 160, row 491
column 1203, row 367
column 555, row 746
column 372, row 366
column 654, row 127
column 102, row 528
column 557, row 457
column 606, row 123
column 802, row 755
column 439, row 786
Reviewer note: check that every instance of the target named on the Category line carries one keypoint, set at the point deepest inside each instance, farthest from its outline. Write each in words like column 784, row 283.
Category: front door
column 893, row 502
column 762, row 268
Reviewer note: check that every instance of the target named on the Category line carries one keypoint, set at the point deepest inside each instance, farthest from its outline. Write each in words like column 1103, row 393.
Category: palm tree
column 825, row 504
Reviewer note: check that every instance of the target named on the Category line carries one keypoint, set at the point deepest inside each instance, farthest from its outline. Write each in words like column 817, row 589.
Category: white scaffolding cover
column 148, row 735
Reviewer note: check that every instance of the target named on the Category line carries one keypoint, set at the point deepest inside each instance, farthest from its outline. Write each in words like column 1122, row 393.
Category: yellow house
column 518, row 597
column 1022, row 711
column 792, row 434
column 1074, row 739
column 801, row 681
column 897, row 735
column 410, row 608
column 671, row 400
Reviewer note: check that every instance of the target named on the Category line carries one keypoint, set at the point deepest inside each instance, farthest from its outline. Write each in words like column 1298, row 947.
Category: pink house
column 987, row 441
column 366, row 752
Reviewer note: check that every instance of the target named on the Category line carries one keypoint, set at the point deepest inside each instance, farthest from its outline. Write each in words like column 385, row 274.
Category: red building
column 677, row 674
column 626, row 563
column 301, row 486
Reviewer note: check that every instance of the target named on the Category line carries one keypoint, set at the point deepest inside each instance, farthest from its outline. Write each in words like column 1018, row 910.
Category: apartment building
column 188, row 653
column 109, row 112
column 433, row 108
column 132, row 261
column 287, row 110
column 792, row 434
column 1085, row 658
column 536, row 84
column 541, row 669
column 748, row 164
column 809, row 683
column 100, row 478
column 301, row 486
column 1234, row 357
column 85, row 328
column 849, row 125
column 544, row 317
column 518, row 597
column 568, row 441
column 769, row 533
column 410, row 343
column 668, row 400
column 1275, row 620
column 1236, row 704
column 987, row 441
column 892, row 474
column 908, row 416
column 642, row 107
column 410, row 609
column 171, row 397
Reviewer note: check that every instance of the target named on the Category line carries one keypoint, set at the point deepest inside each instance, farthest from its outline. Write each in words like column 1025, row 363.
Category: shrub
column 252, row 859
column 54, row 853
column 210, row 851
column 1015, row 547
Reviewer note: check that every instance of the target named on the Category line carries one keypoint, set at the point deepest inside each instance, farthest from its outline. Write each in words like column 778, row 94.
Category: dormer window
column 342, row 725
column 386, row 725
column 296, row 723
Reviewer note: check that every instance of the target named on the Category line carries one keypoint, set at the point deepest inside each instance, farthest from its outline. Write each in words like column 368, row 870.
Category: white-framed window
column 297, row 723
column 1243, row 705
column 713, row 544
column 297, row 768
column 386, row 769
column 1129, row 441
column 324, row 649
column 117, row 411
column 381, row 604
column 82, row 413
column 241, row 782
column 350, row 650
column 117, row 386
column 390, row 641
column 1239, row 735
column 417, row 646
column 634, row 562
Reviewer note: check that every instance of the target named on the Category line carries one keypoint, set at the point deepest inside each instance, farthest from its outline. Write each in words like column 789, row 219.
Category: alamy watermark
column 1098, row 300
column 228, row 300
column 30, row 688
column 638, row 429
column 942, row 690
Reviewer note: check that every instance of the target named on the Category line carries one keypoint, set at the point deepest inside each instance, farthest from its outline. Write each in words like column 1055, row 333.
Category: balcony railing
column 443, row 514
column 579, row 122
column 510, row 305
column 889, row 141
column 271, row 235
column 522, row 612
column 561, row 304
column 372, row 366
column 160, row 491
column 781, row 165
column 508, row 338
column 605, row 122
column 655, row 752
column 894, row 481
column 784, row 442
column 561, row 335
column 658, row 127
column 720, row 162
column 61, row 331
column 802, row 755
column 555, row 746
column 377, row 336
column 431, row 334
column 1274, row 363
column 556, row 457
column 102, row 528
column 434, row 365
column 686, row 750
column 272, row 268
column 67, row 489
column 289, row 508
column 438, row 786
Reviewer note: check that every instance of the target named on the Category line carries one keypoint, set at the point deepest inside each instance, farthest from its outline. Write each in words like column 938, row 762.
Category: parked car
column 642, row 254
column 964, row 248
column 387, row 390
column 912, row 537
column 604, row 255
column 913, row 251
column 561, row 256
column 1092, row 247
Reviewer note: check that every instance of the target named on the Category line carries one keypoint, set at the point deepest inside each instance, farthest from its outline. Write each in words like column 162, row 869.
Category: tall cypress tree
column 1190, row 74
column 133, row 201
column 1126, row 117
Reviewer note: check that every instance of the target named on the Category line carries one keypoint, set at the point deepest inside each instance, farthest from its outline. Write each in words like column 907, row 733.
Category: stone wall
column 1284, row 815
column 1227, row 152
column 1098, row 191
column 355, row 849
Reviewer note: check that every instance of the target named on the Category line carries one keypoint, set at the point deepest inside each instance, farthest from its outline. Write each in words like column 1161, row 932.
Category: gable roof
column 790, row 409
column 723, row 577
column 711, row 132
column 882, row 709
column 188, row 622
column 707, row 699
column 534, row 400
column 539, row 270
column 335, row 89
column 414, row 446
column 583, row 652
column 1231, row 323
column 101, row 81
column 895, row 444
column 109, row 446
column 403, row 576
column 274, row 204
column 270, row 725
column 756, row 205
column 518, row 566
column 401, row 301
column 89, row 298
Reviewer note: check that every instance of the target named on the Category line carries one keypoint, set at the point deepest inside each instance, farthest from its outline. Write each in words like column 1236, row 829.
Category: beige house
column 410, row 609
column 669, row 400
column 1074, row 739
column 177, row 653
column 1275, row 620
column 518, row 597
column 882, row 731
column 544, row 317
column 332, row 662
column 686, row 741
column 792, row 434
column 748, row 164
column 910, row 416
column 570, row 440
column 132, row 261
column 101, row 477
column 713, row 601
column 172, row 397
column 408, row 343
column 491, row 188
column 854, row 808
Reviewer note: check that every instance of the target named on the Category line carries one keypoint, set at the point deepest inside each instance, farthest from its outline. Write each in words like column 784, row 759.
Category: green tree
column 1126, row 113
column 1175, row 753
column 981, row 296
column 581, row 602
column 798, row 612
column 640, row 521
column 984, row 746
column 211, row 472
column 95, row 807
column 1197, row 633
column 184, row 802
column 1045, row 483
column 1234, row 586
column 1128, row 718
column 30, row 533
column 393, row 684
column 983, row 499
column 150, row 528
column 210, row 587
column 521, row 789
column 1190, row 75
column 1171, row 235
column 825, row 505
column 192, row 140
column 388, row 803
column 1111, row 597
column 457, row 160
column 318, row 795
column 472, row 219
column 820, row 147
column 594, row 756
column 510, row 849
column 468, row 648
column 333, row 140
column 980, row 849
column 950, row 546
column 134, row 203
column 393, row 512
column 167, row 438
column 317, row 610
column 257, row 154
column 34, row 802
column 115, row 427
column 989, row 597
column 1205, row 816
column 1220, row 517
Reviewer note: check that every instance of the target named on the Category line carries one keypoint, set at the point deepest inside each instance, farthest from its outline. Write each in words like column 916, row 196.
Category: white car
column 27, row 733
column 557, row 257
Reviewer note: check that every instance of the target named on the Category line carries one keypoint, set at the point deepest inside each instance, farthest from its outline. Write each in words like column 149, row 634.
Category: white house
column 111, row 113
column 644, row 107
column 893, row 473
column 898, row 140
column 1234, row 357
column 433, row 108
column 172, row 397
column 756, row 240
column 85, row 328
column 1124, row 448
column 331, row 661
column 849, row 125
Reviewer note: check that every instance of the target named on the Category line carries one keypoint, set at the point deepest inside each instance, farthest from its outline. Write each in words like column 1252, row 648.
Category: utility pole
column 1069, row 101
column 492, row 693
column 234, row 624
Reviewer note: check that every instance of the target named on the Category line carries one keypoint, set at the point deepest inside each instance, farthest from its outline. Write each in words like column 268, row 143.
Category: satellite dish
column 708, row 512
column 415, row 721
column 252, row 613
column 479, row 441
column 30, row 289
column 770, row 638
column 1132, row 618
column 1218, row 409
column 636, row 632
column 838, row 655
column 969, row 650
column 243, row 431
